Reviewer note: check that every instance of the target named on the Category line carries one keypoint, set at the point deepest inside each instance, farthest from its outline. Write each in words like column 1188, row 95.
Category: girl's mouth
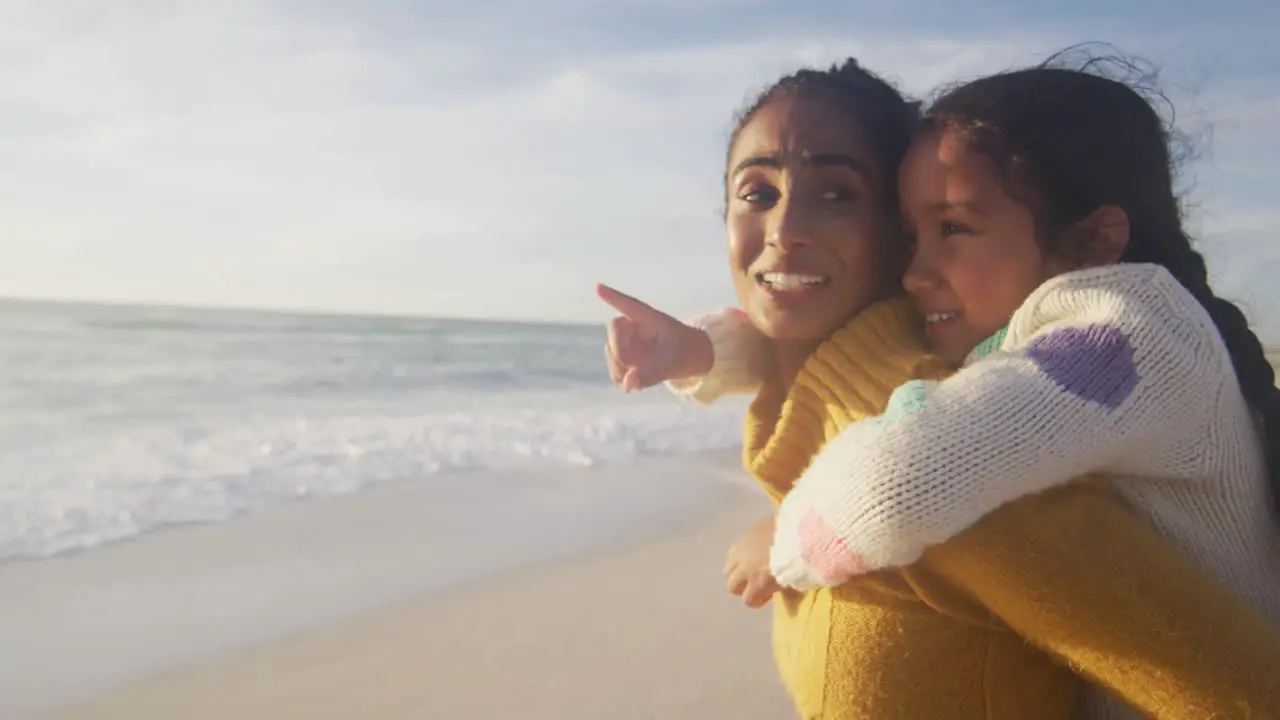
column 939, row 325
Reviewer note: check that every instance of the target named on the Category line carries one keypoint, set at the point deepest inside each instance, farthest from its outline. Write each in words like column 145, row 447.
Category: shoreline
column 644, row 629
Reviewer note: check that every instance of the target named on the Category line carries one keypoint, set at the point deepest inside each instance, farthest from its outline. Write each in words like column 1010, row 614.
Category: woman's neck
column 790, row 357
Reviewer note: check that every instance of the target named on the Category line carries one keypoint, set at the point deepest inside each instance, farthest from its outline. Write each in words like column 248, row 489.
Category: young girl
column 955, row 635
column 1129, row 366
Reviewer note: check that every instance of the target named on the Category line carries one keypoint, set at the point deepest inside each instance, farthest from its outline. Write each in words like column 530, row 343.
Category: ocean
column 123, row 421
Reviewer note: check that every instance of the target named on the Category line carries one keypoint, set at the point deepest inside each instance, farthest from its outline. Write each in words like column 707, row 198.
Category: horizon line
column 278, row 310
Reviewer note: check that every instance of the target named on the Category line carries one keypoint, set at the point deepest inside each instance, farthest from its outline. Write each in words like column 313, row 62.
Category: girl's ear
column 1099, row 239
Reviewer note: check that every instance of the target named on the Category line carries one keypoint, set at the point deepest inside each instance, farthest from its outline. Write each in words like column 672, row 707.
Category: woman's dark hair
column 1070, row 139
column 887, row 118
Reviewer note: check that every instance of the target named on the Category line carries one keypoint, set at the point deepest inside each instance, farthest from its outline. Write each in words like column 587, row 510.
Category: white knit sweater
column 1117, row 370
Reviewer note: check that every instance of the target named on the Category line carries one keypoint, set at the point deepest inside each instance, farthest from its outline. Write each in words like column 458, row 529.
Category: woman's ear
column 1099, row 239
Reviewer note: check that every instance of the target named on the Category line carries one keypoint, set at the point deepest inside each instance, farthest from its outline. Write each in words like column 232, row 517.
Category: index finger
column 629, row 306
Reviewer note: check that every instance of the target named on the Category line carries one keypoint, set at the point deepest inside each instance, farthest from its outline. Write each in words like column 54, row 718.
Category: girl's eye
column 951, row 228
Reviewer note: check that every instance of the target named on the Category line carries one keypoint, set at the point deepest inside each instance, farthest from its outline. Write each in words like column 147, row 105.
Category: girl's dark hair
column 887, row 117
column 1070, row 139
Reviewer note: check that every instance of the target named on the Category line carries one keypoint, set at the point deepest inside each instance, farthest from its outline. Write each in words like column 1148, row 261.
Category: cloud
column 491, row 161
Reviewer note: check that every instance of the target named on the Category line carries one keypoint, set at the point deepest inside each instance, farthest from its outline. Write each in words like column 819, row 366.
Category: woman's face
column 808, row 240
column 976, row 257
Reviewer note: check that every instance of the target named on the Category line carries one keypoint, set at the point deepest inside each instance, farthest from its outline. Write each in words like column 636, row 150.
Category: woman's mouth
column 935, row 318
column 780, row 282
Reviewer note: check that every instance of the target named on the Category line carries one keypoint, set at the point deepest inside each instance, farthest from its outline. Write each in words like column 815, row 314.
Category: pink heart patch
column 824, row 551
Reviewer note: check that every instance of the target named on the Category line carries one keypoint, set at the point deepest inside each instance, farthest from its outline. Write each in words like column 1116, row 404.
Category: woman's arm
column 741, row 358
column 1103, row 370
column 1079, row 576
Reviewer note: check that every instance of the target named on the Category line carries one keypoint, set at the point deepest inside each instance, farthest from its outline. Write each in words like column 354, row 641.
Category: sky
column 498, row 158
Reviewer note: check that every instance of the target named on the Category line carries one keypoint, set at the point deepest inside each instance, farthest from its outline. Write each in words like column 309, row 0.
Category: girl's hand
column 746, row 571
column 646, row 347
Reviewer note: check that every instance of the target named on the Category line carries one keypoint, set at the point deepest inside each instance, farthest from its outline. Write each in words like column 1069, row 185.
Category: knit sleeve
column 1100, row 371
column 1079, row 576
column 741, row 358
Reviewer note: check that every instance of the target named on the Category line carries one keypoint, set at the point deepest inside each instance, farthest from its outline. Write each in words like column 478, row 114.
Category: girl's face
column 805, row 220
column 976, row 256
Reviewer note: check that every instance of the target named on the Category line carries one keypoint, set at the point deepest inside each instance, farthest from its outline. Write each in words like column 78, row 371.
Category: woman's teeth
column 791, row 281
column 940, row 317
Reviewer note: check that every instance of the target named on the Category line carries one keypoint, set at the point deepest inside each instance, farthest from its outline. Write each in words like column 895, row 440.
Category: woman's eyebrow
column 769, row 161
column 820, row 159
column 841, row 160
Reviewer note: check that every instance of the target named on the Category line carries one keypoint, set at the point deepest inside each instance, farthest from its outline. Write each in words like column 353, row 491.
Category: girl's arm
column 742, row 358
column 1079, row 576
column 1102, row 370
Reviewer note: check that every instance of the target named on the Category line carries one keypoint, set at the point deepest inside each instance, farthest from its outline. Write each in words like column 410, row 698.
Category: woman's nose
column 789, row 228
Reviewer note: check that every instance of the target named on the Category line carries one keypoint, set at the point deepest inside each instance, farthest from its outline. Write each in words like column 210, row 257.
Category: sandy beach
column 641, row 632
column 365, row 607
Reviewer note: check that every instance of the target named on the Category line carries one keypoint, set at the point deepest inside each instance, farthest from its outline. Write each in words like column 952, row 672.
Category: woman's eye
column 836, row 195
column 759, row 195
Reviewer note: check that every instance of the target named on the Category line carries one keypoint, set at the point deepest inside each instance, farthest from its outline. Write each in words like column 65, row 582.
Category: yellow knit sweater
column 985, row 625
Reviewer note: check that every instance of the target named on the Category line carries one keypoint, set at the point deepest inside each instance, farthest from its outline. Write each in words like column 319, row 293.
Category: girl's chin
column 952, row 349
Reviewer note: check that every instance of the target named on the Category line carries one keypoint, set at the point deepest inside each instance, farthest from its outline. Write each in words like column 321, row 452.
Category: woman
column 981, row 625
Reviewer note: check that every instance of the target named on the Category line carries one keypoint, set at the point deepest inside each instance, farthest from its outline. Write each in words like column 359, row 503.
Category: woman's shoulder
column 884, row 342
